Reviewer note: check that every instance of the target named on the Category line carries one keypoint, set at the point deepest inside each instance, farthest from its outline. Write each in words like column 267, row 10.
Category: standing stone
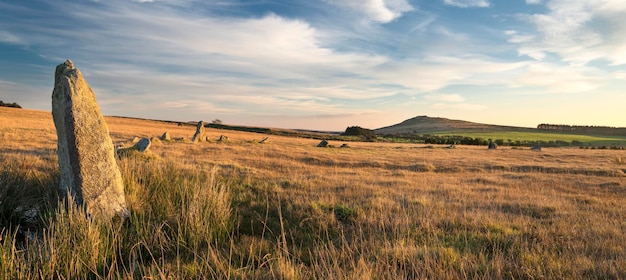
column 87, row 164
column 166, row 136
column 492, row 145
column 323, row 144
column 199, row 136
column 143, row 144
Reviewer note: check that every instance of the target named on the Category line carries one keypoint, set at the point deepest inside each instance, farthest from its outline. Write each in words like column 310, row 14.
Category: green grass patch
column 540, row 136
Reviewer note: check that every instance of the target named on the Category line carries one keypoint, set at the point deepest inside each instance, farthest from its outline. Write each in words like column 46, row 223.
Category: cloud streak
column 382, row 11
column 468, row 3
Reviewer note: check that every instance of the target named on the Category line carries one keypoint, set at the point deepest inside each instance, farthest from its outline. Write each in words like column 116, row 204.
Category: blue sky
column 326, row 64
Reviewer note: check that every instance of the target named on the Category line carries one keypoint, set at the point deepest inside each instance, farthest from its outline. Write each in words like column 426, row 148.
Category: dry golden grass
column 371, row 211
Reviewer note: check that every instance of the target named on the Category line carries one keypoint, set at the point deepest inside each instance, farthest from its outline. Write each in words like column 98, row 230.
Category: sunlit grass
column 289, row 210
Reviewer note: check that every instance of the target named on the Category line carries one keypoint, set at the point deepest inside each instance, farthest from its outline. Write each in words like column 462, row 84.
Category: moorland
column 286, row 209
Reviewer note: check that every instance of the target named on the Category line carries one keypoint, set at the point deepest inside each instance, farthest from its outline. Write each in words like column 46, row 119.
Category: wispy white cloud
column 438, row 72
column 7, row 37
column 382, row 11
column 533, row 1
column 556, row 79
column 467, row 3
column 578, row 31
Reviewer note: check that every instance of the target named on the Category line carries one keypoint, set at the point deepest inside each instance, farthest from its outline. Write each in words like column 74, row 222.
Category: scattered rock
column 143, row 145
column 344, row 145
column 264, row 140
column 166, row 136
column 492, row 145
column 207, row 139
column 89, row 175
column 452, row 146
column 323, row 144
column 536, row 147
column 223, row 138
column 199, row 133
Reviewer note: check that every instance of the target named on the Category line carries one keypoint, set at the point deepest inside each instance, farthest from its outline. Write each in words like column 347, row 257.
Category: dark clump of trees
column 584, row 129
column 12, row 105
column 464, row 140
column 365, row 133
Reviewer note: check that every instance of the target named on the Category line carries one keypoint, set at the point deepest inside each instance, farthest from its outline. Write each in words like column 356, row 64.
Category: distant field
column 540, row 136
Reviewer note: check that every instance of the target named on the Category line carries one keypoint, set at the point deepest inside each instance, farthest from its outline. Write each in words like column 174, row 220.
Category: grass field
column 289, row 210
column 543, row 136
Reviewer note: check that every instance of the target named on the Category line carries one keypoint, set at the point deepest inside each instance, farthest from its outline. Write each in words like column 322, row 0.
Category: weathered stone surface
column 323, row 144
column 143, row 144
column 88, row 171
column 223, row 138
column 199, row 136
column 344, row 145
column 166, row 136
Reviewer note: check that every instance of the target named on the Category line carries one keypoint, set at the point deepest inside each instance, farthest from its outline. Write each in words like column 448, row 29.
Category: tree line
column 478, row 141
column 584, row 129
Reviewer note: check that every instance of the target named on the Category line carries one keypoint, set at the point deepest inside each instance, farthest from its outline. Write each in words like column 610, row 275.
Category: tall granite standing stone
column 89, row 173
column 199, row 136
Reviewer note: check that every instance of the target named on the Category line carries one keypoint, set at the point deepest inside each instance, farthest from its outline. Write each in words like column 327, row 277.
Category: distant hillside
column 428, row 125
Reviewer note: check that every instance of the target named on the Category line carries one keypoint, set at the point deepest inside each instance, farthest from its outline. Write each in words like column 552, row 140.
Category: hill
column 430, row 125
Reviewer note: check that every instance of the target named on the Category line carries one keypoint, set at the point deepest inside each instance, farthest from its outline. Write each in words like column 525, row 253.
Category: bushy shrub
column 367, row 134
column 13, row 105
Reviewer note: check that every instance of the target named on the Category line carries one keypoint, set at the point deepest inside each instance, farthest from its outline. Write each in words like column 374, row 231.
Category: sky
column 325, row 64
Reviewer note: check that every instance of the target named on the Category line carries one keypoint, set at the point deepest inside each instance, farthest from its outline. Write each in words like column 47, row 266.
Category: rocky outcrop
column 88, row 170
